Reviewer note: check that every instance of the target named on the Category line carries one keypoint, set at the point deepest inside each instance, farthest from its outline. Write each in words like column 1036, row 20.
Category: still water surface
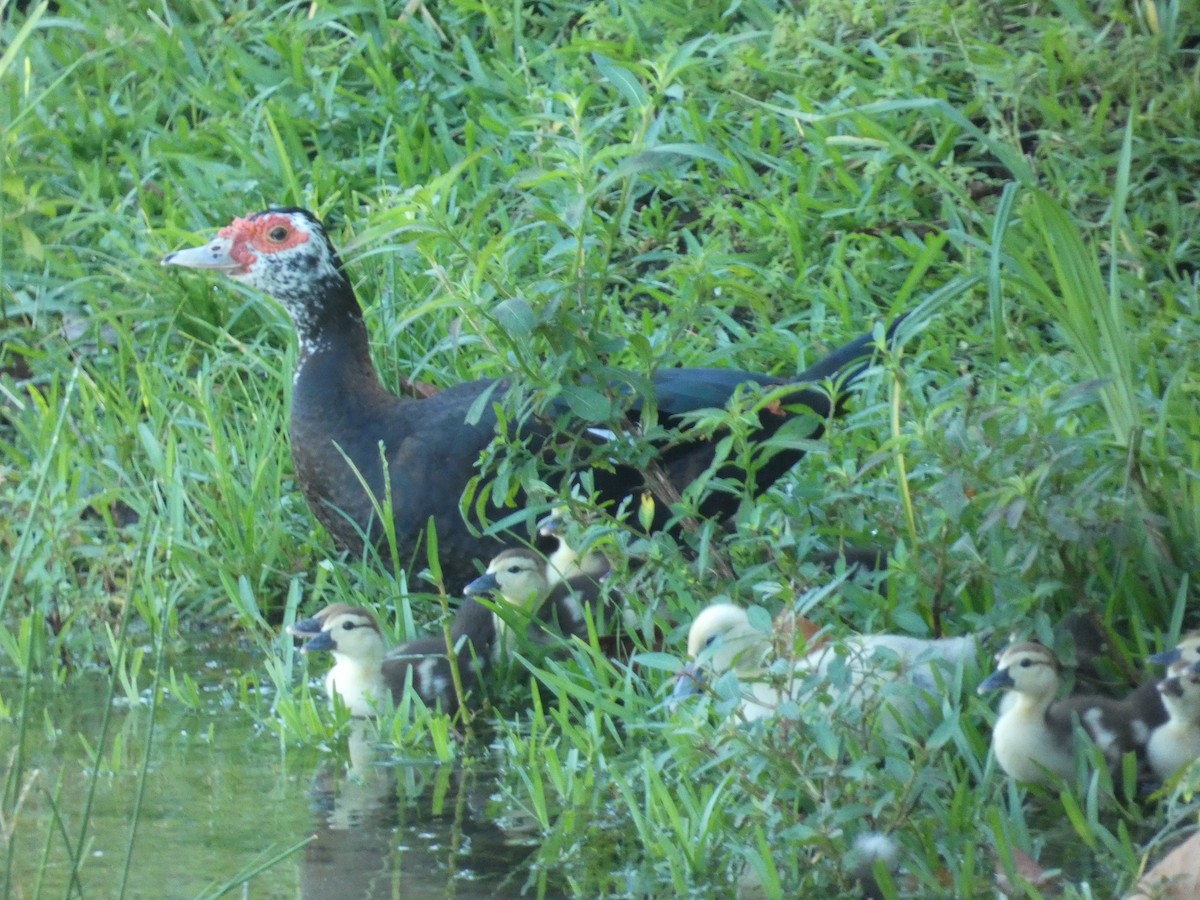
column 224, row 797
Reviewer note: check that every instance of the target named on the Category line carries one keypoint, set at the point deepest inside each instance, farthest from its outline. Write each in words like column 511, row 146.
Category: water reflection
column 395, row 830
column 224, row 804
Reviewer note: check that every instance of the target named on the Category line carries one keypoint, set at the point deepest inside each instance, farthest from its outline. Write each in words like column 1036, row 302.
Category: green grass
column 571, row 189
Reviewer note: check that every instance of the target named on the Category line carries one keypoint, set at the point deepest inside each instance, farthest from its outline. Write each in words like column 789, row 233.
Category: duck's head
column 283, row 252
column 721, row 638
column 518, row 575
column 564, row 562
column 311, row 627
column 1027, row 668
column 346, row 631
column 1181, row 691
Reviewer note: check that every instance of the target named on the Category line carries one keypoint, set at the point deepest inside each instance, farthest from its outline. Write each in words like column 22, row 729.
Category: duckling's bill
column 1167, row 657
column 323, row 641
column 482, row 585
column 689, row 682
column 1001, row 679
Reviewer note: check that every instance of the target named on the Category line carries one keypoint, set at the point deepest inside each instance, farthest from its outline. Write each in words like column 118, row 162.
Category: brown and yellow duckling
column 520, row 577
column 1034, row 736
column 1176, row 743
column 368, row 677
column 564, row 563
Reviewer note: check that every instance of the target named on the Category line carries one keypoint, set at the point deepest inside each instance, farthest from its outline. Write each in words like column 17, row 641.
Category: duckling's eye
column 278, row 234
column 348, row 626
column 1026, row 663
column 712, row 639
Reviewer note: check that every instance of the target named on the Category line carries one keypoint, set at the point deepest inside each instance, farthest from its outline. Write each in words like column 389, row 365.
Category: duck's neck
column 335, row 375
column 526, row 609
column 1182, row 716
column 1033, row 706
column 744, row 653
column 331, row 334
column 363, row 669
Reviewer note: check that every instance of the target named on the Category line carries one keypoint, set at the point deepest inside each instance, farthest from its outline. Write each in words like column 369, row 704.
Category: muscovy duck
column 1145, row 706
column 342, row 415
column 1034, row 736
column 564, row 562
column 1176, row 742
column 370, row 678
column 891, row 669
column 553, row 609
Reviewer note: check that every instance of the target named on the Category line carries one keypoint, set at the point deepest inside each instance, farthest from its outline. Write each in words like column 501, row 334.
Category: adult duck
column 358, row 448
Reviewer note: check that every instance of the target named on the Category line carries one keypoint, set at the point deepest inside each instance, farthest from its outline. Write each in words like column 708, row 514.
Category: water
column 224, row 797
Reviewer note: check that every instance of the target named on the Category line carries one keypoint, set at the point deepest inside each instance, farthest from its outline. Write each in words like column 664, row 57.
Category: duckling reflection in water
column 895, row 669
column 1033, row 738
column 382, row 830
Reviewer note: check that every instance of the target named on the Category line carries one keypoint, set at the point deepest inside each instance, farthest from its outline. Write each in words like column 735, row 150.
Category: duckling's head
column 721, row 638
column 1026, row 668
column 1184, row 654
column 307, row 628
column 1181, row 692
column 518, row 575
column 564, row 562
column 349, row 632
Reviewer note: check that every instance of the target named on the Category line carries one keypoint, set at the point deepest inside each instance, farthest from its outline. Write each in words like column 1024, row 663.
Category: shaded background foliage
column 566, row 191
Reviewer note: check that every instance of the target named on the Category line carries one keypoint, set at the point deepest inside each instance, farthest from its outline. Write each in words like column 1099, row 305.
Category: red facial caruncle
column 264, row 233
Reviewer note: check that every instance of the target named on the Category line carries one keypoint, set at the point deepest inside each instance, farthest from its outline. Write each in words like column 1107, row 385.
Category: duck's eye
column 348, row 626
column 278, row 234
column 712, row 639
column 1026, row 663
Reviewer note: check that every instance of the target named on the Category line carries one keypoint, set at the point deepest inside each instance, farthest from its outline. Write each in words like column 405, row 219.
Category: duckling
column 520, row 577
column 564, row 562
column 1033, row 738
column 1144, row 705
column 1176, row 742
column 312, row 626
column 367, row 676
column 722, row 639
